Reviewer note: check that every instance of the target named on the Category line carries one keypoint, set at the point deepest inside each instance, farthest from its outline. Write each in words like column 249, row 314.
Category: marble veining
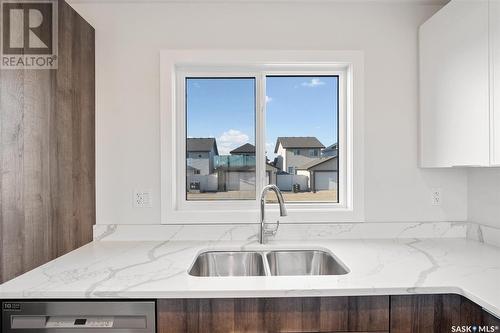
column 434, row 265
column 159, row 269
column 365, row 230
column 483, row 233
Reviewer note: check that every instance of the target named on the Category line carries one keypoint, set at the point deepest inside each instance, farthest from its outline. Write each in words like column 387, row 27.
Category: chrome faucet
column 281, row 202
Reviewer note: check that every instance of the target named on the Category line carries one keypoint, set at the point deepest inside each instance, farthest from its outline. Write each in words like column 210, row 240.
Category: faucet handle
column 274, row 230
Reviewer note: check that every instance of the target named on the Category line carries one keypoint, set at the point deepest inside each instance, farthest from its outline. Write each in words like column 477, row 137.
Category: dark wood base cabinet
column 439, row 313
column 400, row 314
column 318, row 314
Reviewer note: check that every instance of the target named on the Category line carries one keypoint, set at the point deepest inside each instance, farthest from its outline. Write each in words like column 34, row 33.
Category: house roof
column 202, row 144
column 191, row 168
column 315, row 162
column 298, row 142
column 271, row 166
column 332, row 147
column 247, row 148
column 331, row 150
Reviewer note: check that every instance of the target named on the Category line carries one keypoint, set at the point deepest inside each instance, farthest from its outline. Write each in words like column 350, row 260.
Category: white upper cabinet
column 455, row 126
column 495, row 80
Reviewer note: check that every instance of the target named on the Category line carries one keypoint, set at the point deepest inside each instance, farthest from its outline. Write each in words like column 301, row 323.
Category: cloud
column 315, row 82
column 230, row 140
column 268, row 99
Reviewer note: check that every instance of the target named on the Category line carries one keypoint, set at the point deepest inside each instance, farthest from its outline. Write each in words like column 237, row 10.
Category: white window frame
column 176, row 65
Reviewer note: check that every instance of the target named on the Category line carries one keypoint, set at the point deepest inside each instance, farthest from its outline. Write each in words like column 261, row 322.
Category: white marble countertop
column 160, row 270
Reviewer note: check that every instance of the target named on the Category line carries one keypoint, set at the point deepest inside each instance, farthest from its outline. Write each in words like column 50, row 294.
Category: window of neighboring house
column 313, row 152
column 220, row 118
column 304, row 111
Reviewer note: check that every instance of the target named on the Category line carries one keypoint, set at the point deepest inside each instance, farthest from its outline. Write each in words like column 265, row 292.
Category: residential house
column 249, row 150
column 200, row 169
column 246, row 150
column 294, row 152
column 331, row 150
column 190, row 171
column 322, row 173
column 236, row 172
column 200, row 155
column 243, row 160
column 271, row 172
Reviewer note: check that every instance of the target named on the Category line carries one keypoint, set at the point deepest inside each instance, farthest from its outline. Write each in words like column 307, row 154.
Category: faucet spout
column 283, row 211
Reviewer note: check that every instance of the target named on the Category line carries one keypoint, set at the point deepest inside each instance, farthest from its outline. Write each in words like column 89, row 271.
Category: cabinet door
column 436, row 314
column 495, row 80
column 309, row 314
column 454, row 86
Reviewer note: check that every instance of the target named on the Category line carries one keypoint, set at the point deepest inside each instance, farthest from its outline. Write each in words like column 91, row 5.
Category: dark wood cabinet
column 436, row 314
column 47, row 153
column 424, row 313
column 311, row 314
column 398, row 314
column 368, row 313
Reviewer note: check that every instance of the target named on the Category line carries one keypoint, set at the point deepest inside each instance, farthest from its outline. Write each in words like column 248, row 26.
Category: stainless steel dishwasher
column 78, row 316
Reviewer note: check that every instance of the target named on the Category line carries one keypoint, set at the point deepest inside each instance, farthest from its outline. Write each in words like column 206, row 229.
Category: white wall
column 484, row 196
column 129, row 37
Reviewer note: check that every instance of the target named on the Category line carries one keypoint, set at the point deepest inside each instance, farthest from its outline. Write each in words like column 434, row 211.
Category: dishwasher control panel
column 81, row 316
column 79, row 322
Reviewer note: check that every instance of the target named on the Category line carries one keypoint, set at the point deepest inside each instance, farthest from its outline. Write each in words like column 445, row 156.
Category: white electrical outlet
column 143, row 199
column 436, row 197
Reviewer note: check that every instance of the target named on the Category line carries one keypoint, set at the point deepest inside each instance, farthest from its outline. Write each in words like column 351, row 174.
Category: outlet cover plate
column 436, row 196
column 143, row 199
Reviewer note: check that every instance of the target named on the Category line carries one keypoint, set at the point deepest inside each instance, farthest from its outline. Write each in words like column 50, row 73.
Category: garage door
column 325, row 180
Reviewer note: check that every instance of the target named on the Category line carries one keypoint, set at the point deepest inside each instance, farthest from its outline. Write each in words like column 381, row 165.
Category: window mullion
column 260, row 130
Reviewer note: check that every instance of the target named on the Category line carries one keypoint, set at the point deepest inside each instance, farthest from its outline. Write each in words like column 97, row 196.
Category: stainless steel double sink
column 266, row 263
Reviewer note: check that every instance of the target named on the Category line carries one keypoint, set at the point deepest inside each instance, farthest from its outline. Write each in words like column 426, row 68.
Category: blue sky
column 296, row 106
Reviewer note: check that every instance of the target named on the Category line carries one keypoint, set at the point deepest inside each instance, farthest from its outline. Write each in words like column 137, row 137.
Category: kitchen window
column 301, row 117
column 238, row 127
column 220, row 129
column 302, row 114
